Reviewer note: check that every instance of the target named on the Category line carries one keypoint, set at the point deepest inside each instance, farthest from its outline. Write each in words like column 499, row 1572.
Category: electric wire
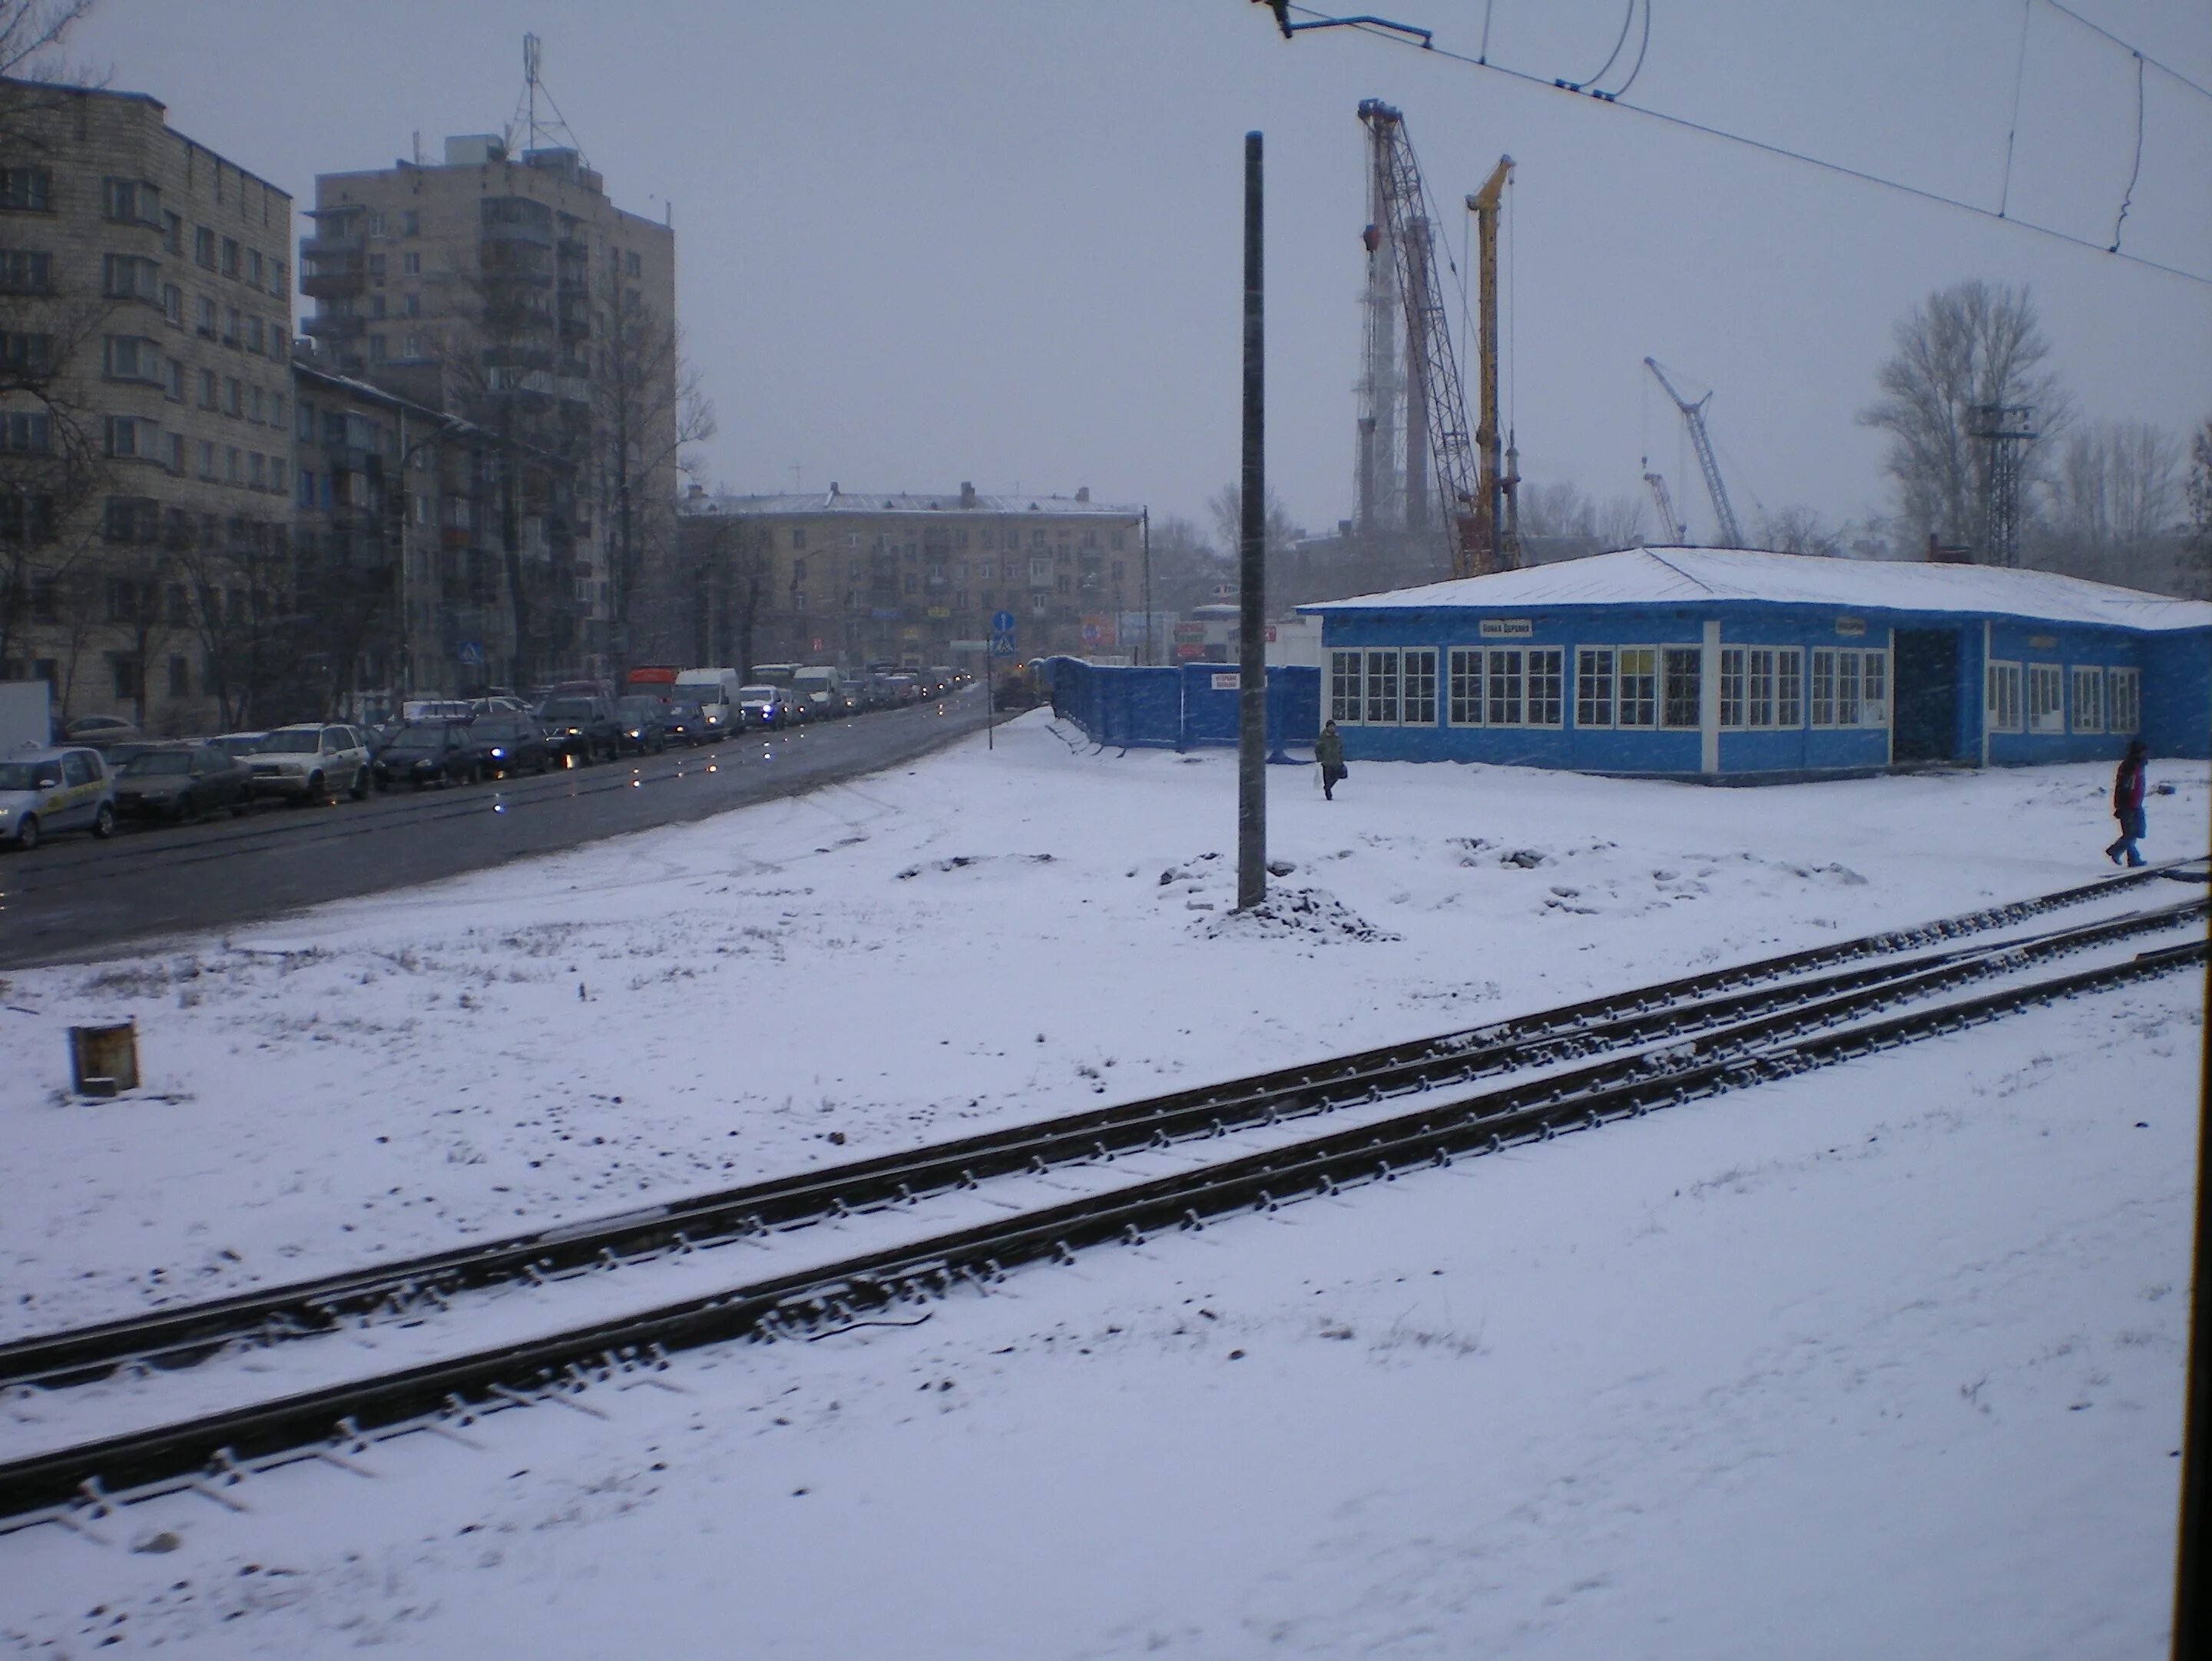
column 2136, row 172
column 2196, row 86
column 1619, row 40
column 1643, row 47
column 2019, row 74
column 1782, row 152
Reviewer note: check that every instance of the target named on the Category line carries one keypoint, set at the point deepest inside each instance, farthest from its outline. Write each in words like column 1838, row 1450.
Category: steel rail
column 1662, row 1014
column 76, row 1484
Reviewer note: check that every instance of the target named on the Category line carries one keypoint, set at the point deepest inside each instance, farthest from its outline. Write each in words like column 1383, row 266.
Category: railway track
column 1661, row 1046
column 1618, row 1023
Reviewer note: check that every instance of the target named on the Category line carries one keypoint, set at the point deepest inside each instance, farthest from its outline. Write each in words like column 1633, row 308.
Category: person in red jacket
column 2127, row 805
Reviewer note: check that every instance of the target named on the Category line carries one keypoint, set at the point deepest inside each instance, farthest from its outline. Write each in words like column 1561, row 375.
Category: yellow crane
column 1497, row 538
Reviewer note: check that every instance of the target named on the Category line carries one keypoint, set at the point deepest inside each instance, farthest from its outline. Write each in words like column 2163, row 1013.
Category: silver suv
column 310, row 761
column 46, row 790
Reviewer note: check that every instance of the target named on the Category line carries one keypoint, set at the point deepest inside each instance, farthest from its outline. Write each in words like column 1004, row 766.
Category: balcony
column 332, row 267
column 335, row 327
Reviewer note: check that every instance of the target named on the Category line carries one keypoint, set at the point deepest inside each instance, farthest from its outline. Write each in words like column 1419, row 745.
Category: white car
column 309, row 761
column 46, row 790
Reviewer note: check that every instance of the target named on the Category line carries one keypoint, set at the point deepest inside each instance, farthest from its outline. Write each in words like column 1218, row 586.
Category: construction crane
column 1669, row 527
column 1401, row 242
column 1693, row 417
column 1496, row 529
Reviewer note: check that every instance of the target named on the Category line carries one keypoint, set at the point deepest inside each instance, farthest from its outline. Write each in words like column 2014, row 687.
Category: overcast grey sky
column 998, row 240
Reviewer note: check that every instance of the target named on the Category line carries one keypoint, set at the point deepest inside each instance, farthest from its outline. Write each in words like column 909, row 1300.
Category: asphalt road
column 76, row 899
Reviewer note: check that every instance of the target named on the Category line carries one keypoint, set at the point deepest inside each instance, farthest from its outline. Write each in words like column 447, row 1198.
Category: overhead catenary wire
column 1784, row 152
column 1619, row 40
column 2196, row 86
column 1643, row 48
column 2012, row 130
column 2135, row 173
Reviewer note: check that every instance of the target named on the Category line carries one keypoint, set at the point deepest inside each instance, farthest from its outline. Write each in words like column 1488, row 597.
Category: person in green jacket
column 1329, row 750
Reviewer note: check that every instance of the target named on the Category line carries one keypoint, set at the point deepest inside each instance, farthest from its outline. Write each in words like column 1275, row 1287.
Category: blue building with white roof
column 1743, row 665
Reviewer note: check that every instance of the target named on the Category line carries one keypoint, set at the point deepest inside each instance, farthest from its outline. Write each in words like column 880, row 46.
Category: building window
column 180, row 678
column 1346, row 683
column 1734, row 690
column 27, row 356
column 26, row 190
column 2046, row 695
column 130, row 358
column 798, row 536
column 1505, row 706
column 2001, row 701
column 1464, row 687
column 173, row 304
column 1685, row 679
column 277, row 271
column 123, row 668
column 125, row 439
column 205, row 327
column 2126, row 712
column 203, row 247
column 1546, row 695
column 230, row 254
column 233, row 397
column 131, row 201
column 125, row 277
column 24, row 433
column 1788, row 688
column 1419, row 708
column 175, row 459
column 1824, row 689
column 411, row 223
column 1850, row 687
column 1637, row 674
column 26, row 271
column 1381, row 705
column 173, row 234
column 1593, row 686
column 207, row 459
column 2088, row 700
column 254, row 267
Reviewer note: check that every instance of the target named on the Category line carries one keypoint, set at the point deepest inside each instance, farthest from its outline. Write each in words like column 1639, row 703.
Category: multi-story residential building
column 508, row 289
column 145, row 419
column 408, row 563
column 867, row 577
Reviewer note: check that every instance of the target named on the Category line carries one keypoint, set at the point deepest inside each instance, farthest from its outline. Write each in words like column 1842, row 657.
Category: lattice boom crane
column 1693, row 417
column 1435, row 399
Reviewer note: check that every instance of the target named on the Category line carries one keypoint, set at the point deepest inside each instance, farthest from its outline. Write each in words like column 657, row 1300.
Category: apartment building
column 413, row 574
column 868, row 577
column 145, row 419
column 508, row 289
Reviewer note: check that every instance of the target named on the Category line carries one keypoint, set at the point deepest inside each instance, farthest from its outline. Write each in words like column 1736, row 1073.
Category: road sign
column 968, row 646
column 1002, row 645
column 470, row 652
column 1002, row 622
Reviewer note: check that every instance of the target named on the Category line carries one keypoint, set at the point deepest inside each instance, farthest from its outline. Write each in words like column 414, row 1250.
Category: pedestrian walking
column 2127, row 805
column 1329, row 750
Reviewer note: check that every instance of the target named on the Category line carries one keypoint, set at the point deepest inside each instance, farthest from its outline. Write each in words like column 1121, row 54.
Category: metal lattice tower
column 2003, row 428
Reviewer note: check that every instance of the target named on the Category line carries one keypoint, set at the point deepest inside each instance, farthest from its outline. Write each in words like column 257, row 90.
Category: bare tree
column 1187, row 569
column 1963, row 349
column 31, row 30
column 2117, row 483
column 1799, row 531
column 649, row 404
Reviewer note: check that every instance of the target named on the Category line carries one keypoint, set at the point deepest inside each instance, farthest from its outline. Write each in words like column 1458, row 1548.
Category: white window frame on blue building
column 1593, row 687
column 1762, row 689
column 2004, row 697
column 1635, row 687
column 1382, row 686
column 1847, row 687
column 2045, row 708
column 1464, row 687
column 2088, row 700
column 2124, row 705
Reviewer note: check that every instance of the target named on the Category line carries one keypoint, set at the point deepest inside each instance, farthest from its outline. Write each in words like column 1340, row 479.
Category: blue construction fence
column 1179, row 707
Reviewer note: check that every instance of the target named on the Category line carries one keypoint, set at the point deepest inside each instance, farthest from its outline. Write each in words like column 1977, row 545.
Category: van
column 823, row 687
column 715, row 692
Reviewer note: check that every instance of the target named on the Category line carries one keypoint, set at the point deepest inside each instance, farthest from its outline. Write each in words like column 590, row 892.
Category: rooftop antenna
column 525, row 120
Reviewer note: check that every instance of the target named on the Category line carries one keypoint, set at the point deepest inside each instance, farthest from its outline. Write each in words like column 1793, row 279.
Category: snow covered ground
column 1884, row 1360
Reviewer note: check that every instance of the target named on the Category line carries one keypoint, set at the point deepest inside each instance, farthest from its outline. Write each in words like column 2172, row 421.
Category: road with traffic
column 76, row 899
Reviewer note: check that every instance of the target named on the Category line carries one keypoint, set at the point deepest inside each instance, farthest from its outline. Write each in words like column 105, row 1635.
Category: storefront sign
column 1507, row 628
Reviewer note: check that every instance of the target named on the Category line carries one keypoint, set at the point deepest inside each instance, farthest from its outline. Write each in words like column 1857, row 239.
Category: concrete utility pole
column 1252, row 644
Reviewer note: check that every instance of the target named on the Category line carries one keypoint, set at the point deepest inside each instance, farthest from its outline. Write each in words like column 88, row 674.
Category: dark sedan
column 579, row 728
column 179, row 784
column 683, row 723
column 429, row 752
column 640, row 725
column 508, row 744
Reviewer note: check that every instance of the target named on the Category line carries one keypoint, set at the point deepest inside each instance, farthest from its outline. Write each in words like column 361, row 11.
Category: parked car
column 99, row 731
column 639, row 725
column 684, row 723
column 436, row 709
column 498, row 703
column 311, row 762
column 177, row 783
column 580, row 727
column 767, row 707
column 46, row 790
column 429, row 752
column 715, row 692
column 508, row 744
column 238, row 745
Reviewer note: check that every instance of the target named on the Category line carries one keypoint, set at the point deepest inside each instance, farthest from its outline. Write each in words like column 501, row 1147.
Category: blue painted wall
column 2176, row 671
column 1133, row 707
